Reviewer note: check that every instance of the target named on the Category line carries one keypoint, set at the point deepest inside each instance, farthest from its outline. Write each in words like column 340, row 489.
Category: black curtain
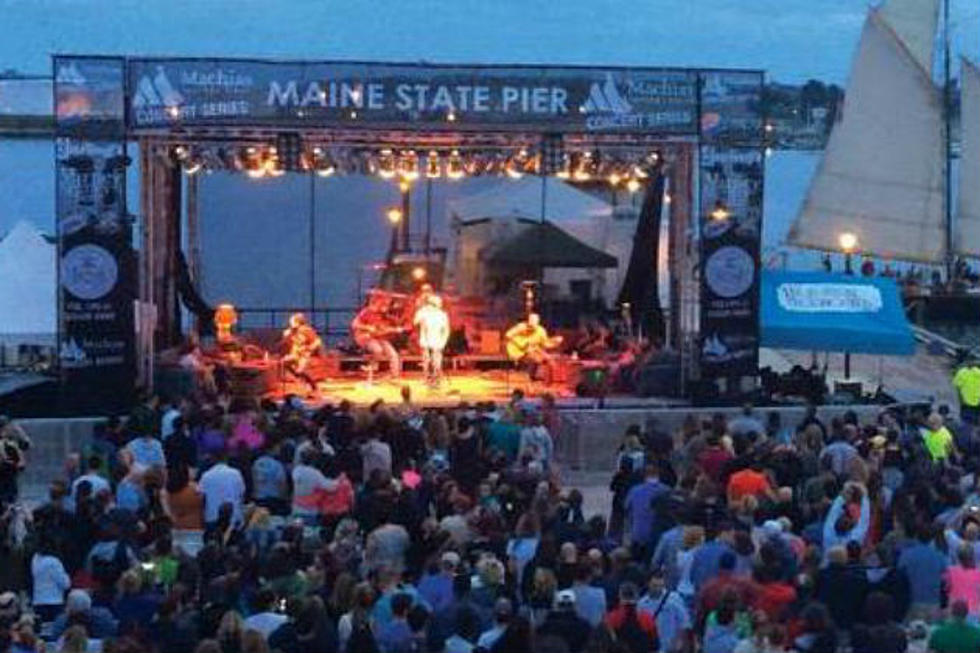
column 640, row 286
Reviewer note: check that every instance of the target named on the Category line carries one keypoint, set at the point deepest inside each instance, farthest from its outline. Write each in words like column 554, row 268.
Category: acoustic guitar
column 519, row 346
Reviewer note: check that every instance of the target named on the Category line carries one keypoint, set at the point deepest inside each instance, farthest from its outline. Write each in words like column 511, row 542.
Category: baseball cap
column 565, row 598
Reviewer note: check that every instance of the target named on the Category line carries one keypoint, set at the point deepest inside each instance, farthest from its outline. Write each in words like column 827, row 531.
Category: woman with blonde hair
column 231, row 630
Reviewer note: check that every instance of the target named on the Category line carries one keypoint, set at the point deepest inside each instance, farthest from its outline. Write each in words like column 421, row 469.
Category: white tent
column 582, row 215
column 28, row 305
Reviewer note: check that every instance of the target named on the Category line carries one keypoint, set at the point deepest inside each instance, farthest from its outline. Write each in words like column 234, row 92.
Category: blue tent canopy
column 833, row 312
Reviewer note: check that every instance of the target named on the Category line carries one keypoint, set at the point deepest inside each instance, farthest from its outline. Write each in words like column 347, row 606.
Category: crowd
column 226, row 526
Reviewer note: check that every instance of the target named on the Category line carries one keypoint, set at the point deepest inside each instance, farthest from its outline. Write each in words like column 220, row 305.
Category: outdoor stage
column 471, row 387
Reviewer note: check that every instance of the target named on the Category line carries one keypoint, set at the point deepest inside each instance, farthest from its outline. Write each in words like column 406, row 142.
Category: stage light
column 192, row 166
column 418, row 273
column 454, row 166
column 433, row 169
column 404, row 185
column 565, row 171
column 768, row 151
column 181, row 153
column 667, row 198
column 173, row 111
column 633, row 184
column 326, row 169
column 451, row 116
column 394, row 215
column 408, row 165
column 720, row 212
column 386, row 164
column 583, row 171
column 512, row 170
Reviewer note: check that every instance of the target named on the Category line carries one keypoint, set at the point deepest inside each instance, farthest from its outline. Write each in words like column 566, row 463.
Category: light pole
column 394, row 215
column 848, row 243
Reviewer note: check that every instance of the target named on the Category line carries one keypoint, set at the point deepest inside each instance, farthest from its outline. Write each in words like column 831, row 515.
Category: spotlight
column 454, row 166
column 418, row 273
column 386, row 164
column 614, row 178
column 720, row 212
column 633, row 184
column 565, row 171
column 408, row 165
column 192, row 166
column 394, row 215
column 433, row 170
column 513, row 169
column 583, row 171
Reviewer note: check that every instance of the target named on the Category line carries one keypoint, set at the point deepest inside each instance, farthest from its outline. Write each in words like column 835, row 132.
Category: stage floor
column 471, row 387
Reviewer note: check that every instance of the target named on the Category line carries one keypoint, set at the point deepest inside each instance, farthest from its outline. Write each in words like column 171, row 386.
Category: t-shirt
column 147, row 452
column 955, row 637
column 747, row 482
column 268, row 478
column 938, row 442
column 964, row 584
column 222, row 484
column 967, row 383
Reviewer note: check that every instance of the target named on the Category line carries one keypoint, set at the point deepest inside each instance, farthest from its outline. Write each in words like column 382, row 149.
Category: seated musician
column 301, row 344
column 528, row 344
column 373, row 330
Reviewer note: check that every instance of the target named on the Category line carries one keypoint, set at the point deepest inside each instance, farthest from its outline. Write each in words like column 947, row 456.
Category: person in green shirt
column 937, row 438
column 956, row 635
column 967, row 384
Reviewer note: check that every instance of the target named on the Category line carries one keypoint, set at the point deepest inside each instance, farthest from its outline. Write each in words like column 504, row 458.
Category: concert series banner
column 731, row 232
column 171, row 92
column 97, row 271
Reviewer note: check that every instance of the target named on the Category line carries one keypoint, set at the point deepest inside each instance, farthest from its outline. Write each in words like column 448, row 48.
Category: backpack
column 362, row 639
column 632, row 634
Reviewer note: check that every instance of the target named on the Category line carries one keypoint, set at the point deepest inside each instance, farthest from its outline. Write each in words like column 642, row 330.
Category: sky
column 793, row 40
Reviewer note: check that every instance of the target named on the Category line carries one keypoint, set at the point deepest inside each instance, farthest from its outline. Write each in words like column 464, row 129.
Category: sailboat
column 886, row 173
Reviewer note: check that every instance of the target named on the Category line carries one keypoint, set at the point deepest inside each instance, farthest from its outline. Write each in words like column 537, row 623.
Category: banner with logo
column 97, row 270
column 731, row 186
column 166, row 93
column 731, row 107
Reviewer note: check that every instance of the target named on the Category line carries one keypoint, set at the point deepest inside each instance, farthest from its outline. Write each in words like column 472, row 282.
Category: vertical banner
column 731, row 178
column 97, row 271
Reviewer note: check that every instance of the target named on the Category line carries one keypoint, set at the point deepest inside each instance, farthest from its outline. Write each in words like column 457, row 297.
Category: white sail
column 881, row 173
column 966, row 237
column 914, row 22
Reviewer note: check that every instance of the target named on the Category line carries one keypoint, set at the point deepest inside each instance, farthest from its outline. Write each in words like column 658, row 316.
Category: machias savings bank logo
column 606, row 98
column 156, row 92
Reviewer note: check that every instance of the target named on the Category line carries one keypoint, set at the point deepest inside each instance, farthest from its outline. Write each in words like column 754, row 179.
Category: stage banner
column 97, row 271
column 730, row 229
column 167, row 93
column 731, row 107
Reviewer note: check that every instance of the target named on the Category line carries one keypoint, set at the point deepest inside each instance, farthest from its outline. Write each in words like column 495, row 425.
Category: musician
column 373, row 329
column 432, row 324
column 528, row 344
column 301, row 343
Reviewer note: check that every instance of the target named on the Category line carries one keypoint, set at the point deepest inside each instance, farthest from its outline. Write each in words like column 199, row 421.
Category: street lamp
column 848, row 242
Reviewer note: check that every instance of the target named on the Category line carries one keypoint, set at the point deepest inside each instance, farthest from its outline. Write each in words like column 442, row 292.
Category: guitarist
column 301, row 344
column 373, row 329
column 528, row 344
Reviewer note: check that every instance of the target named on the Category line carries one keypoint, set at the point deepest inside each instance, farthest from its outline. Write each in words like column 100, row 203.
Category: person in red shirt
column 714, row 459
column 636, row 630
column 750, row 482
column 709, row 596
column 774, row 594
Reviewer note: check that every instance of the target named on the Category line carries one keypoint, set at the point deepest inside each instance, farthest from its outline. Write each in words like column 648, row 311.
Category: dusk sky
column 792, row 39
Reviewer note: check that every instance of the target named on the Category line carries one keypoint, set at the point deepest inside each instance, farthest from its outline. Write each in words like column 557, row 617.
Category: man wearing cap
column 432, row 323
column 967, row 384
column 436, row 587
column 99, row 621
column 563, row 623
column 503, row 610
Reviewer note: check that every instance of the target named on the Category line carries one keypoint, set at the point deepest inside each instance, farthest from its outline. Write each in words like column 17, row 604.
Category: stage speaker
column 489, row 342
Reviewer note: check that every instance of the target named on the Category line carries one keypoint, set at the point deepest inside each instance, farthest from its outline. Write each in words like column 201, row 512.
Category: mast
column 948, row 137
